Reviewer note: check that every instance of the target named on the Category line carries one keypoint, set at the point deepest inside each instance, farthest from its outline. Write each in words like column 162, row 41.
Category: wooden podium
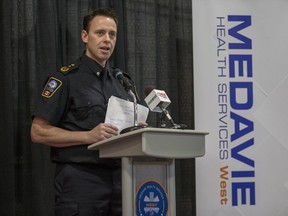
column 148, row 166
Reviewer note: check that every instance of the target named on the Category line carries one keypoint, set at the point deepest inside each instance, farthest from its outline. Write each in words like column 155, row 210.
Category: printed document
column 121, row 113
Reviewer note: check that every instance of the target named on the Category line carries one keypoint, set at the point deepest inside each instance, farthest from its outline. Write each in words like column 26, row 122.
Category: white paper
column 120, row 113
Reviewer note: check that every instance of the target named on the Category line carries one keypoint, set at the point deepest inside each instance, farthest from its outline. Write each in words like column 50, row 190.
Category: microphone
column 148, row 89
column 158, row 101
column 117, row 73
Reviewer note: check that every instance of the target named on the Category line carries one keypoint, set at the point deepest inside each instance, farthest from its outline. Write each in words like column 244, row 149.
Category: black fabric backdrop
column 154, row 45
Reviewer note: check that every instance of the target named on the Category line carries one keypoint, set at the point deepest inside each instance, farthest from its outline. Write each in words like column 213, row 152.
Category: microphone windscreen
column 148, row 89
column 116, row 72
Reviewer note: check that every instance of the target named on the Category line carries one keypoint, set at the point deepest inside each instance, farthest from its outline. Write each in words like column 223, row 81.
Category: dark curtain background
column 154, row 45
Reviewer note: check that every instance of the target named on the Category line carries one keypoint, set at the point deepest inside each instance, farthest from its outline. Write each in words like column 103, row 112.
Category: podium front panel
column 153, row 186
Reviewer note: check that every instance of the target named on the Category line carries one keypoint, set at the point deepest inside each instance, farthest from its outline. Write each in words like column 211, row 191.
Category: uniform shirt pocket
column 88, row 111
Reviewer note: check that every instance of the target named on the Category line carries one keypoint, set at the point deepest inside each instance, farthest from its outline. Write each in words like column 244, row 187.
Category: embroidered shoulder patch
column 51, row 87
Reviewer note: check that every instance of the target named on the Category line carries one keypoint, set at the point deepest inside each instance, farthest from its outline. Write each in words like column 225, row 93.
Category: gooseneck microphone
column 118, row 74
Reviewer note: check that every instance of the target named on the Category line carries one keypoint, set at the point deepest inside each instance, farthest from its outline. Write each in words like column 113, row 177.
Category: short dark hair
column 107, row 12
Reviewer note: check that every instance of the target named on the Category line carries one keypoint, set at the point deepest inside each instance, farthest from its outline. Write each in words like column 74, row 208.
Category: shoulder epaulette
column 68, row 68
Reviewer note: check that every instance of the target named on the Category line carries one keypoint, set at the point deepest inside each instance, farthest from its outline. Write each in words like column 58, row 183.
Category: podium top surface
column 154, row 142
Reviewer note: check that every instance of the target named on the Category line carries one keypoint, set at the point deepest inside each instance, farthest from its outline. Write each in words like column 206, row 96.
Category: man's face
column 100, row 39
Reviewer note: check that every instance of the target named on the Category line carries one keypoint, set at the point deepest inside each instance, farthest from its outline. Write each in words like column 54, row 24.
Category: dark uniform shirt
column 76, row 99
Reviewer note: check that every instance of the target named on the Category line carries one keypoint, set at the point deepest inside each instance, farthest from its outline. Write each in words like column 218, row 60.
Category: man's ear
column 84, row 36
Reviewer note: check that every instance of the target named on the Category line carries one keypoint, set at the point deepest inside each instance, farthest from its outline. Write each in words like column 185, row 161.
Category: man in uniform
column 70, row 116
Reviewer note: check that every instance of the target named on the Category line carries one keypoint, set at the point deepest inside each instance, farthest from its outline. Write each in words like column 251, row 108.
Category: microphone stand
column 135, row 107
column 167, row 115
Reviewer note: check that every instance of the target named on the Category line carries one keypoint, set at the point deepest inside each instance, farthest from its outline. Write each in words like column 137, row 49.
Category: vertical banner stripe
column 241, row 87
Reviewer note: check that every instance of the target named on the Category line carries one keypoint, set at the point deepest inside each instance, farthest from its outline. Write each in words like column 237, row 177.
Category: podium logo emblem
column 151, row 200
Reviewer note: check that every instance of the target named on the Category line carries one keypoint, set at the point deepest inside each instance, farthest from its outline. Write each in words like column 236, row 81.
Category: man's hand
column 102, row 131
